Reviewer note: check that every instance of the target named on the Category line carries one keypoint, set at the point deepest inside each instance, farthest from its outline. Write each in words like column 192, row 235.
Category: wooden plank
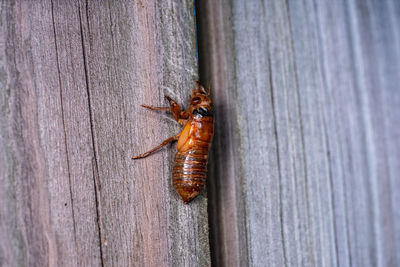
column 137, row 52
column 306, row 162
column 51, row 219
column 73, row 76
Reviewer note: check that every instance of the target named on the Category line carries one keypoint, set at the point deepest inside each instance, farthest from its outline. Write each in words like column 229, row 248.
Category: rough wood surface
column 307, row 145
column 73, row 75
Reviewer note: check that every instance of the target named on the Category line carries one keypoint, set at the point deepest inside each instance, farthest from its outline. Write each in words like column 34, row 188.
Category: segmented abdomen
column 189, row 175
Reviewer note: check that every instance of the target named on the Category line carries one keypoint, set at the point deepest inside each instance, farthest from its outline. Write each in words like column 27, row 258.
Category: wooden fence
column 304, row 168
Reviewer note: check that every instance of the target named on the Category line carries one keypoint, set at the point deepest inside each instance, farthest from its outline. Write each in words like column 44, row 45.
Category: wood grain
column 305, row 164
column 73, row 75
column 307, row 143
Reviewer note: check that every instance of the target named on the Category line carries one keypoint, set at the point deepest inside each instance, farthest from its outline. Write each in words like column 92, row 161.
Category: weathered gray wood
column 306, row 168
column 73, row 76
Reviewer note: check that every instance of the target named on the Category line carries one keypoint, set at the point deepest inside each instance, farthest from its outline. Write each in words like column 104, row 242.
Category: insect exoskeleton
column 190, row 167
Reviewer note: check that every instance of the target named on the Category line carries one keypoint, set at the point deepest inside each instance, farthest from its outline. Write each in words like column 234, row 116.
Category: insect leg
column 176, row 109
column 180, row 116
column 164, row 143
column 156, row 108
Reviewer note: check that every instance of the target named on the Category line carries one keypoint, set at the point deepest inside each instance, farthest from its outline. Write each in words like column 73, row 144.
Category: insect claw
column 168, row 98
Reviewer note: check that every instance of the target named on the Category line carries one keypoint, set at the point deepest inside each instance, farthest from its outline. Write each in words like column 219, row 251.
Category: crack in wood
column 274, row 118
column 95, row 165
column 63, row 123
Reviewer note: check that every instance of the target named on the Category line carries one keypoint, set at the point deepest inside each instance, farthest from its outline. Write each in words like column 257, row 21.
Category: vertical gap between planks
column 197, row 39
column 222, row 251
column 202, row 68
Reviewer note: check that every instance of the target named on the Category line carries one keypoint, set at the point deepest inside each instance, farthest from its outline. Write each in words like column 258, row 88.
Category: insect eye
column 196, row 100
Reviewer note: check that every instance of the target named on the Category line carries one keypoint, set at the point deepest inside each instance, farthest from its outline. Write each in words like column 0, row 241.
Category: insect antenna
column 201, row 88
column 209, row 88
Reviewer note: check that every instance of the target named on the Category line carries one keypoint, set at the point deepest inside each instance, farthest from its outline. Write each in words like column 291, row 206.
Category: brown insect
column 194, row 141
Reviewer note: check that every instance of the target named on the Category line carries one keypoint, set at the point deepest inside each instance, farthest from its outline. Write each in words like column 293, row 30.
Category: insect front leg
column 156, row 108
column 179, row 115
column 164, row 143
